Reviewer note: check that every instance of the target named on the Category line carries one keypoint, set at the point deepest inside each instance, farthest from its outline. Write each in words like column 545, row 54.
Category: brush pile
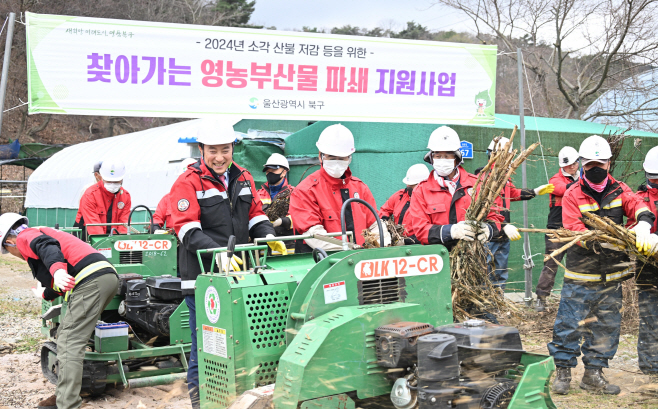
column 472, row 292
column 371, row 240
column 279, row 206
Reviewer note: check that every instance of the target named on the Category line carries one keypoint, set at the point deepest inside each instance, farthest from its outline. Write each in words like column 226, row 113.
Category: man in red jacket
column 397, row 205
column 276, row 171
column 64, row 264
column 589, row 316
column 568, row 174
column 437, row 213
column 316, row 202
column 106, row 201
column 213, row 200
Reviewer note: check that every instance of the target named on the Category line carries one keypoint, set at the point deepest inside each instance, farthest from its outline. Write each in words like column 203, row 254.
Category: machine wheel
column 50, row 373
column 499, row 395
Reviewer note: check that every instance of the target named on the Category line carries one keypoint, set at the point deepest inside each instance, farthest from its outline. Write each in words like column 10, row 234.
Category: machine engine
column 148, row 303
column 455, row 366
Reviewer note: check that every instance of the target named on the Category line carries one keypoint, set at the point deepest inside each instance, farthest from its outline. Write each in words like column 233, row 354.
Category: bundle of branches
column 471, row 289
column 371, row 240
column 279, row 206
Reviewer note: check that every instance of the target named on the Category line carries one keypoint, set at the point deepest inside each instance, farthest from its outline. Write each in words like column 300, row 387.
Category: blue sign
column 466, row 150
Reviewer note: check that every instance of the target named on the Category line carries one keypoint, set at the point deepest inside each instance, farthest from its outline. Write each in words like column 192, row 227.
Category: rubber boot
column 593, row 380
column 540, row 304
column 194, row 397
column 48, row 403
column 562, row 380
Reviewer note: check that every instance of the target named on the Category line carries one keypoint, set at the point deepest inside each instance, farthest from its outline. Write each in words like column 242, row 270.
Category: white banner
column 90, row 66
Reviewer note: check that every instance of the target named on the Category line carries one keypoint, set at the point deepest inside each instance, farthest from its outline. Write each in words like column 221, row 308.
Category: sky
column 294, row 14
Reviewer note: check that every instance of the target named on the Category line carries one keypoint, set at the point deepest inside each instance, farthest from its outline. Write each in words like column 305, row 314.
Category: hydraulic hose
column 344, row 228
column 130, row 217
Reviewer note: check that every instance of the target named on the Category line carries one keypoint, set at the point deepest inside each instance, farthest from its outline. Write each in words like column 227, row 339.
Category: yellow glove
column 236, row 262
column 277, row 245
column 543, row 189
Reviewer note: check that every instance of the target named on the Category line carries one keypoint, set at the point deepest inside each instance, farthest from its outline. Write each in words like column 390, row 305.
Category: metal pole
column 5, row 65
column 527, row 264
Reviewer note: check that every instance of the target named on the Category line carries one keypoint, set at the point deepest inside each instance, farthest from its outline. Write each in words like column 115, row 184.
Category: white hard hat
column 7, row 221
column 213, row 131
column 567, row 156
column 336, row 140
column 443, row 139
column 594, row 149
column 185, row 163
column 502, row 141
column 275, row 161
column 113, row 170
column 416, row 174
column 651, row 161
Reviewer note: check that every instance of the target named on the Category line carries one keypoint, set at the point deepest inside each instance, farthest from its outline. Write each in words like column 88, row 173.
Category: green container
column 111, row 337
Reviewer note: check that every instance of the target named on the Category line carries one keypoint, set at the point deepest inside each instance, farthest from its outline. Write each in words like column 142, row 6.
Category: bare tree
column 576, row 49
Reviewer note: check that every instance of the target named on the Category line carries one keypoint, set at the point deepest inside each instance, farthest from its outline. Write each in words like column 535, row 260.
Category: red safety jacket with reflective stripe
column 397, row 206
column 647, row 274
column 47, row 250
column 318, row 199
column 162, row 215
column 433, row 205
column 589, row 262
column 95, row 204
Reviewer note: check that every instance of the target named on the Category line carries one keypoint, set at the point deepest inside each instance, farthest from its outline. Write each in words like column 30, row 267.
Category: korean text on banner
column 91, row 66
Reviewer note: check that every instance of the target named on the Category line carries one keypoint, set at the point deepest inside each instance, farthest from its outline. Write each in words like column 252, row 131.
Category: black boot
column 540, row 304
column 194, row 397
column 562, row 380
column 593, row 380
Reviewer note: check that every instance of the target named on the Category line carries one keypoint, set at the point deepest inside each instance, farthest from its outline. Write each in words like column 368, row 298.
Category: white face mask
column 443, row 167
column 112, row 187
column 335, row 168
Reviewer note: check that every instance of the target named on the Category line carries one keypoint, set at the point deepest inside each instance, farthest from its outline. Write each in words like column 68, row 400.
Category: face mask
column 596, row 175
column 444, row 167
column 409, row 190
column 335, row 168
column 112, row 187
column 273, row 178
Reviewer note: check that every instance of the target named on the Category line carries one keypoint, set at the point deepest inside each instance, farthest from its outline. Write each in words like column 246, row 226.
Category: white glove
column 319, row 244
column 485, row 232
column 63, row 281
column 161, row 232
column 512, row 232
column 611, row 246
column 653, row 243
column 232, row 265
column 462, row 231
column 374, row 230
column 543, row 189
column 38, row 290
column 277, row 222
column 642, row 232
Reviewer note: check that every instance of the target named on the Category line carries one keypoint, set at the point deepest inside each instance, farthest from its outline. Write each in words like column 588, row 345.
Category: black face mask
column 409, row 190
column 273, row 178
column 596, row 175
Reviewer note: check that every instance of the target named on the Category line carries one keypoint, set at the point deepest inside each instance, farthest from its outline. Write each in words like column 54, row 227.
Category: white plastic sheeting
column 152, row 159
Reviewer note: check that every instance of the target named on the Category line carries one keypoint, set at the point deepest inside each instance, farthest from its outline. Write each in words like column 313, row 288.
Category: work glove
column 611, row 246
column 485, row 232
column 230, row 265
column 642, row 232
column 277, row 245
column 512, row 232
column 462, row 231
column 161, row 232
column 277, row 222
column 653, row 243
column 543, row 189
column 63, row 280
column 38, row 290
column 374, row 230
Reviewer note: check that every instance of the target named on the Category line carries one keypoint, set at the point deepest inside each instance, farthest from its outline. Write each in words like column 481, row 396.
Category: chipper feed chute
column 358, row 326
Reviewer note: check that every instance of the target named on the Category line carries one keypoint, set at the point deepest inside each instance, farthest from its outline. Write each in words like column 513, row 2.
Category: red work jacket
column 318, row 199
column 397, row 207
column 162, row 215
column 94, row 207
column 433, row 205
column 589, row 262
column 647, row 274
column 555, row 199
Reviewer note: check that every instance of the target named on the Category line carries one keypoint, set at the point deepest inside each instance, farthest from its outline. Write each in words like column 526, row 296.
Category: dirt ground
column 22, row 384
